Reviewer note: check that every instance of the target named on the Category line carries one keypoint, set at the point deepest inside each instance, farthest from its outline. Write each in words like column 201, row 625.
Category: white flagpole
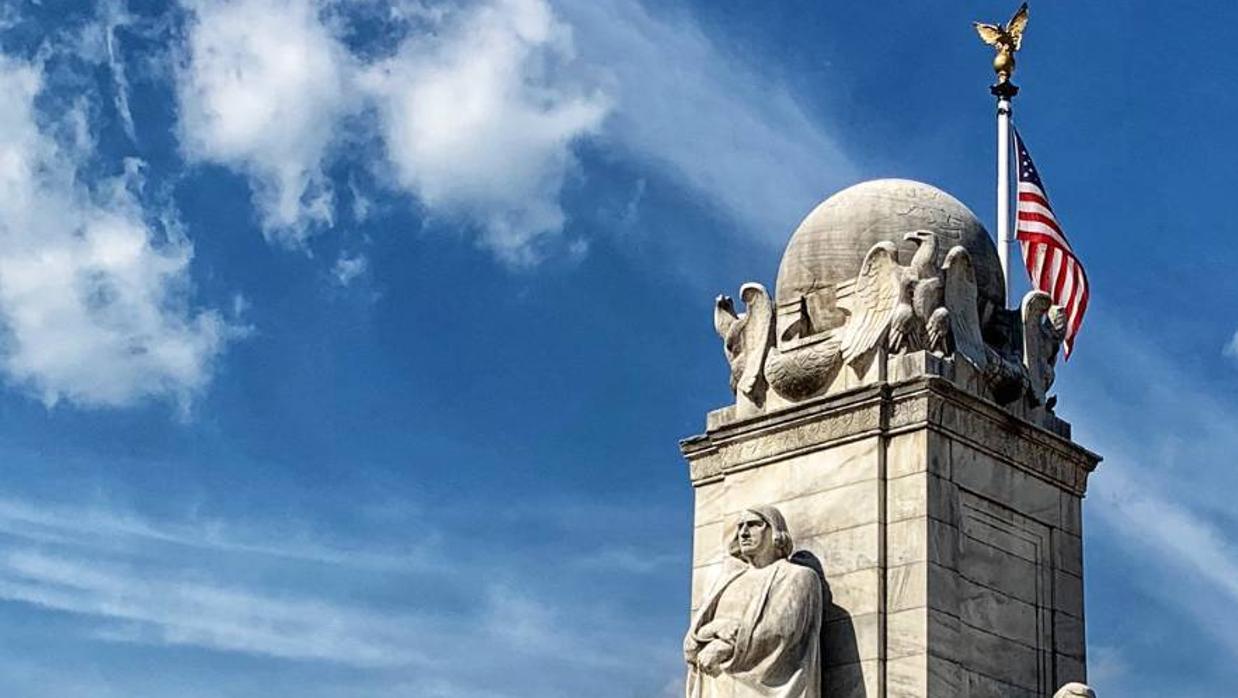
column 1003, row 189
column 1006, row 39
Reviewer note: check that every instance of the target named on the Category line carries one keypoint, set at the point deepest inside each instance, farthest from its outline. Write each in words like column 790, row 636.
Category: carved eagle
column 957, row 326
column 746, row 337
column 915, row 307
column 890, row 301
column 1044, row 327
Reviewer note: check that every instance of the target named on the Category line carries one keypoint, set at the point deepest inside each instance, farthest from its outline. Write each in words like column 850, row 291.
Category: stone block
column 1068, row 594
column 852, row 680
column 703, row 579
column 998, row 613
column 1068, row 636
column 710, row 503
column 1071, row 514
column 945, row 633
column 907, row 497
column 907, row 586
column 907, row 677
column 1005, row 660
column 906, row 454
column 997, row 569
column 853, row 639
column 988, row 477
column 982, row 686
column 946, row 679
column 708, row 544
column 916, row 540
column 919, row 495
column 832, row 510
column 1068, row 552
column 852, row 593
column 907, row 633
column 802, row 474
column 844, row 551
column 1067, row 669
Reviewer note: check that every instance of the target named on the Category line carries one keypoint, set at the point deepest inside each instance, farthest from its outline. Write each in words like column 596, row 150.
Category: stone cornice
column 923, row 402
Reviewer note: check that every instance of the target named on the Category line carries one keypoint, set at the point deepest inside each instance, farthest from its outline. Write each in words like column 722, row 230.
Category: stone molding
column 923, row 402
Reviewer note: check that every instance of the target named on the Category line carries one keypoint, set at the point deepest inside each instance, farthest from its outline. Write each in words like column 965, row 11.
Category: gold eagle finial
column 1006, row 39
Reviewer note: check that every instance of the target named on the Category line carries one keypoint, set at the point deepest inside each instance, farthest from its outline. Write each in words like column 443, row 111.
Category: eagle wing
column 724, row 316
column 962, row 299
column 1034, row 307
column 989, row 33
column 1016, row 25
column 758, row 334
column 872, row 305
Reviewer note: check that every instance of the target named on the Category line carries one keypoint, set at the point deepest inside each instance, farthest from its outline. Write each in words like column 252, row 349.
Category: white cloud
column 261, row 89
column 1231, row 347
column 347, row 268
column 93, row 292
column 726, row 130
column 479, row 120
column 480, row 108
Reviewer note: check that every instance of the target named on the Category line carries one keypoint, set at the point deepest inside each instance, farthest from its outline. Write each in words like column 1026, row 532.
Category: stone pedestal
column 948, row 531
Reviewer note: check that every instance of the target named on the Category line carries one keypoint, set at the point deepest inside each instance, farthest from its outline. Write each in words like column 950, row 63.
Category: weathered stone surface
column 830, row 244
column 852, row 680
column 845, row 551
column 1068, row 594
column 851, row 594
column 1005, row 616
column 1069, row 669
column 907, row 676
column 982, row 686
column 852, row 639
column 947, row 532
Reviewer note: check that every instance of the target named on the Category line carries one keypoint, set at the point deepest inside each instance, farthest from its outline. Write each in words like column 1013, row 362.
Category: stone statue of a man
column 757, row 634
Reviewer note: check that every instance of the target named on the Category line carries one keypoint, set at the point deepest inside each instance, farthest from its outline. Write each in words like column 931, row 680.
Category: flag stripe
column 1051, row 263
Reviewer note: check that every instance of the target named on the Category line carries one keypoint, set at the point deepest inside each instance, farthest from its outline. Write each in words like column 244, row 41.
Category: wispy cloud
column 722, row 126
column 1231, row 347
column 1163, row 431
column 180, row 612
column 245, row 590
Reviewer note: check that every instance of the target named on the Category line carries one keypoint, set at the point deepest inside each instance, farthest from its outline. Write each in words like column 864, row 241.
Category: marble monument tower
column 895, row 422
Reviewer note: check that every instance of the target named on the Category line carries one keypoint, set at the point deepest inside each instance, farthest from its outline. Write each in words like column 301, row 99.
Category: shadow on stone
column 842, row 674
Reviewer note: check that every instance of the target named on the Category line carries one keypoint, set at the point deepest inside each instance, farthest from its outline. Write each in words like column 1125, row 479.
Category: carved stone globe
column 829, row 245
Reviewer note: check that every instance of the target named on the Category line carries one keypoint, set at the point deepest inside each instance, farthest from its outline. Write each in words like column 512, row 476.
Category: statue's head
column 1074, row 690
column 761, row 534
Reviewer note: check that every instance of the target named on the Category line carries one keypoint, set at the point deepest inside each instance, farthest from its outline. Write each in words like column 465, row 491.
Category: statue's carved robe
column 777, row 650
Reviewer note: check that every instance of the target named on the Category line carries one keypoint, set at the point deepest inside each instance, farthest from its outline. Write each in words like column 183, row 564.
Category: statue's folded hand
column 710, row 659
column 691, row 648
column 720, row 628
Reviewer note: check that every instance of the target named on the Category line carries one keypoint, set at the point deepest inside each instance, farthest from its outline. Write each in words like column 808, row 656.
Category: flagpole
column 1005, row 39
column 1005, row 92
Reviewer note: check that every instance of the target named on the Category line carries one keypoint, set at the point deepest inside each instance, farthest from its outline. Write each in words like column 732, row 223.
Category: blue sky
column 347, row 345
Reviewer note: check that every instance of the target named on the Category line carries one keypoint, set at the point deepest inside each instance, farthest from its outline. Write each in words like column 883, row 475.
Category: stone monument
column 898, row 421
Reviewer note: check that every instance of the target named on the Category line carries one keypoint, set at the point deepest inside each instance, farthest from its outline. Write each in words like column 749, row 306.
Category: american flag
column 1051, row 263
